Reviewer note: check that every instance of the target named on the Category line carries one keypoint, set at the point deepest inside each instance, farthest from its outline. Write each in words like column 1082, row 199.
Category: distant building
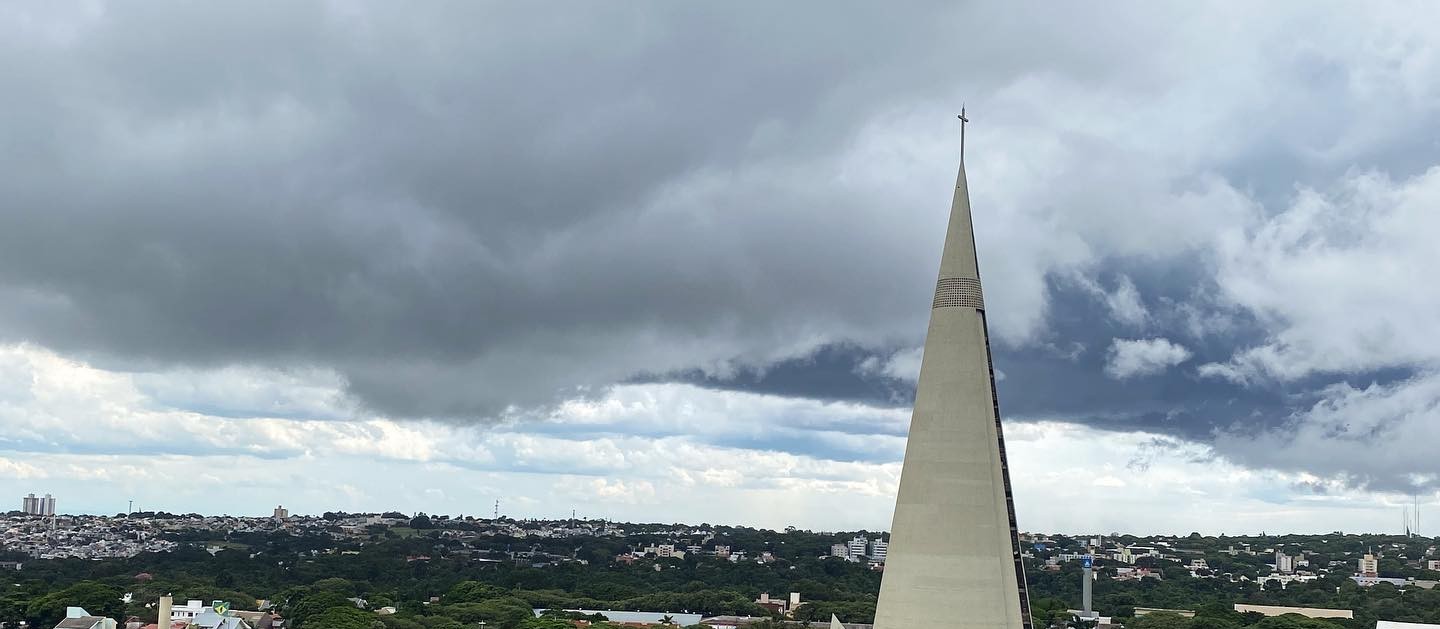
column 771, row 604
column 1369, row 566
column 192, row 609
column 879, row 549
column 1308, row 612
column 858, row 547
column 1432, row 564
column 1391, row 624
column 281, row 513
column 1284, row 563
column 269, row 620
column 31, row 505
column 1144, row 611
column 1133, row 574
column 1125, row 555
column 778, row 605
column 212, row 619
column 840, row 550
column 78, row 618
column 1369, row 581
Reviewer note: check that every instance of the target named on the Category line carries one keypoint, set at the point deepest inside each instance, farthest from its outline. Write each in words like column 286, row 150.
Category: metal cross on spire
column 963, row 120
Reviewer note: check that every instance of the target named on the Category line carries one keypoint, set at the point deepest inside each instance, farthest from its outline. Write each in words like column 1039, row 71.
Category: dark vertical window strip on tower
column 1005, row 477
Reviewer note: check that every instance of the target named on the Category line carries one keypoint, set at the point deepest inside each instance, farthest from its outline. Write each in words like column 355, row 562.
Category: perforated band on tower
column 958, row 291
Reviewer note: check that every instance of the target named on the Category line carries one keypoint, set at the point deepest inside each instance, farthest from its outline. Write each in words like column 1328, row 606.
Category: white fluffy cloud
column 1130, row 358
column 640, row 452
column 901, row 365
column 1344, row 278
column 1371, row 436
column 586, row 456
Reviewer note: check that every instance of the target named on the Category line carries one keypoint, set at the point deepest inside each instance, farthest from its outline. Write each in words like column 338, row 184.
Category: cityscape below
column 490, row 569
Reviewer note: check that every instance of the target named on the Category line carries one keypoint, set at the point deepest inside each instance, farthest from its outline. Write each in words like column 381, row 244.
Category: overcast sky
column 673, row 261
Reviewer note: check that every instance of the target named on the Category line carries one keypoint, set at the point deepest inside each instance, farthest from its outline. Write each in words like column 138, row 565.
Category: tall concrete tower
column 165, row 615
column 1087, row 574
column 954, row 549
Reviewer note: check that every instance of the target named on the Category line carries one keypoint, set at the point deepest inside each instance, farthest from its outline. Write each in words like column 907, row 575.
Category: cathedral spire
column 954, row 556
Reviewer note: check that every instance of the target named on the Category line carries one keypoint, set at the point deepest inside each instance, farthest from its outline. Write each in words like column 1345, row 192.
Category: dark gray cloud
column 458, row 208
column 463, row 208
column 468, row 205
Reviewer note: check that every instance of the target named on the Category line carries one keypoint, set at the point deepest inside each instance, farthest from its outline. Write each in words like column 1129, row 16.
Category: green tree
column 344, row 618
column 300, row 607
column 97, row 598
column 343, row 587
column 472, row 592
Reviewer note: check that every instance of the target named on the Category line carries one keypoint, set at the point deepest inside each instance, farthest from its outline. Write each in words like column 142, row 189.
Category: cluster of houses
column 1129, row 562
column 192, row 614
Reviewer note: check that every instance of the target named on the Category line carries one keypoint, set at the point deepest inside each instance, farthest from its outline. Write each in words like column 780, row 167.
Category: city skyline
column 675, row 264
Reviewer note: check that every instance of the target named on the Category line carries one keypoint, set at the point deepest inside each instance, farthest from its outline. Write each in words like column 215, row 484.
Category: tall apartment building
column 1284, row 563
column 1369, row 566
column 31, row 505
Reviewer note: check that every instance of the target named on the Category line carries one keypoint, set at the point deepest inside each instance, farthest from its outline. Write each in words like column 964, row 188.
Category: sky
column 672, row 262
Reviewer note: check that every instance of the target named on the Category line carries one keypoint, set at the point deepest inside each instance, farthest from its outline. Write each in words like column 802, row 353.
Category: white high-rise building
column 858, row 546
column 879, row 549
column 954, row 557
column 840, row 550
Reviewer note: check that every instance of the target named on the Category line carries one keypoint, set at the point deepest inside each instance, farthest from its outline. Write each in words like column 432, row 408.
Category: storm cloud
column 468, row 211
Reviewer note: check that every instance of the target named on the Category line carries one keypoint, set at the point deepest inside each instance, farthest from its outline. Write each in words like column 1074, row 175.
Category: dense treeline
column 437, row 582
column 305, row 581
